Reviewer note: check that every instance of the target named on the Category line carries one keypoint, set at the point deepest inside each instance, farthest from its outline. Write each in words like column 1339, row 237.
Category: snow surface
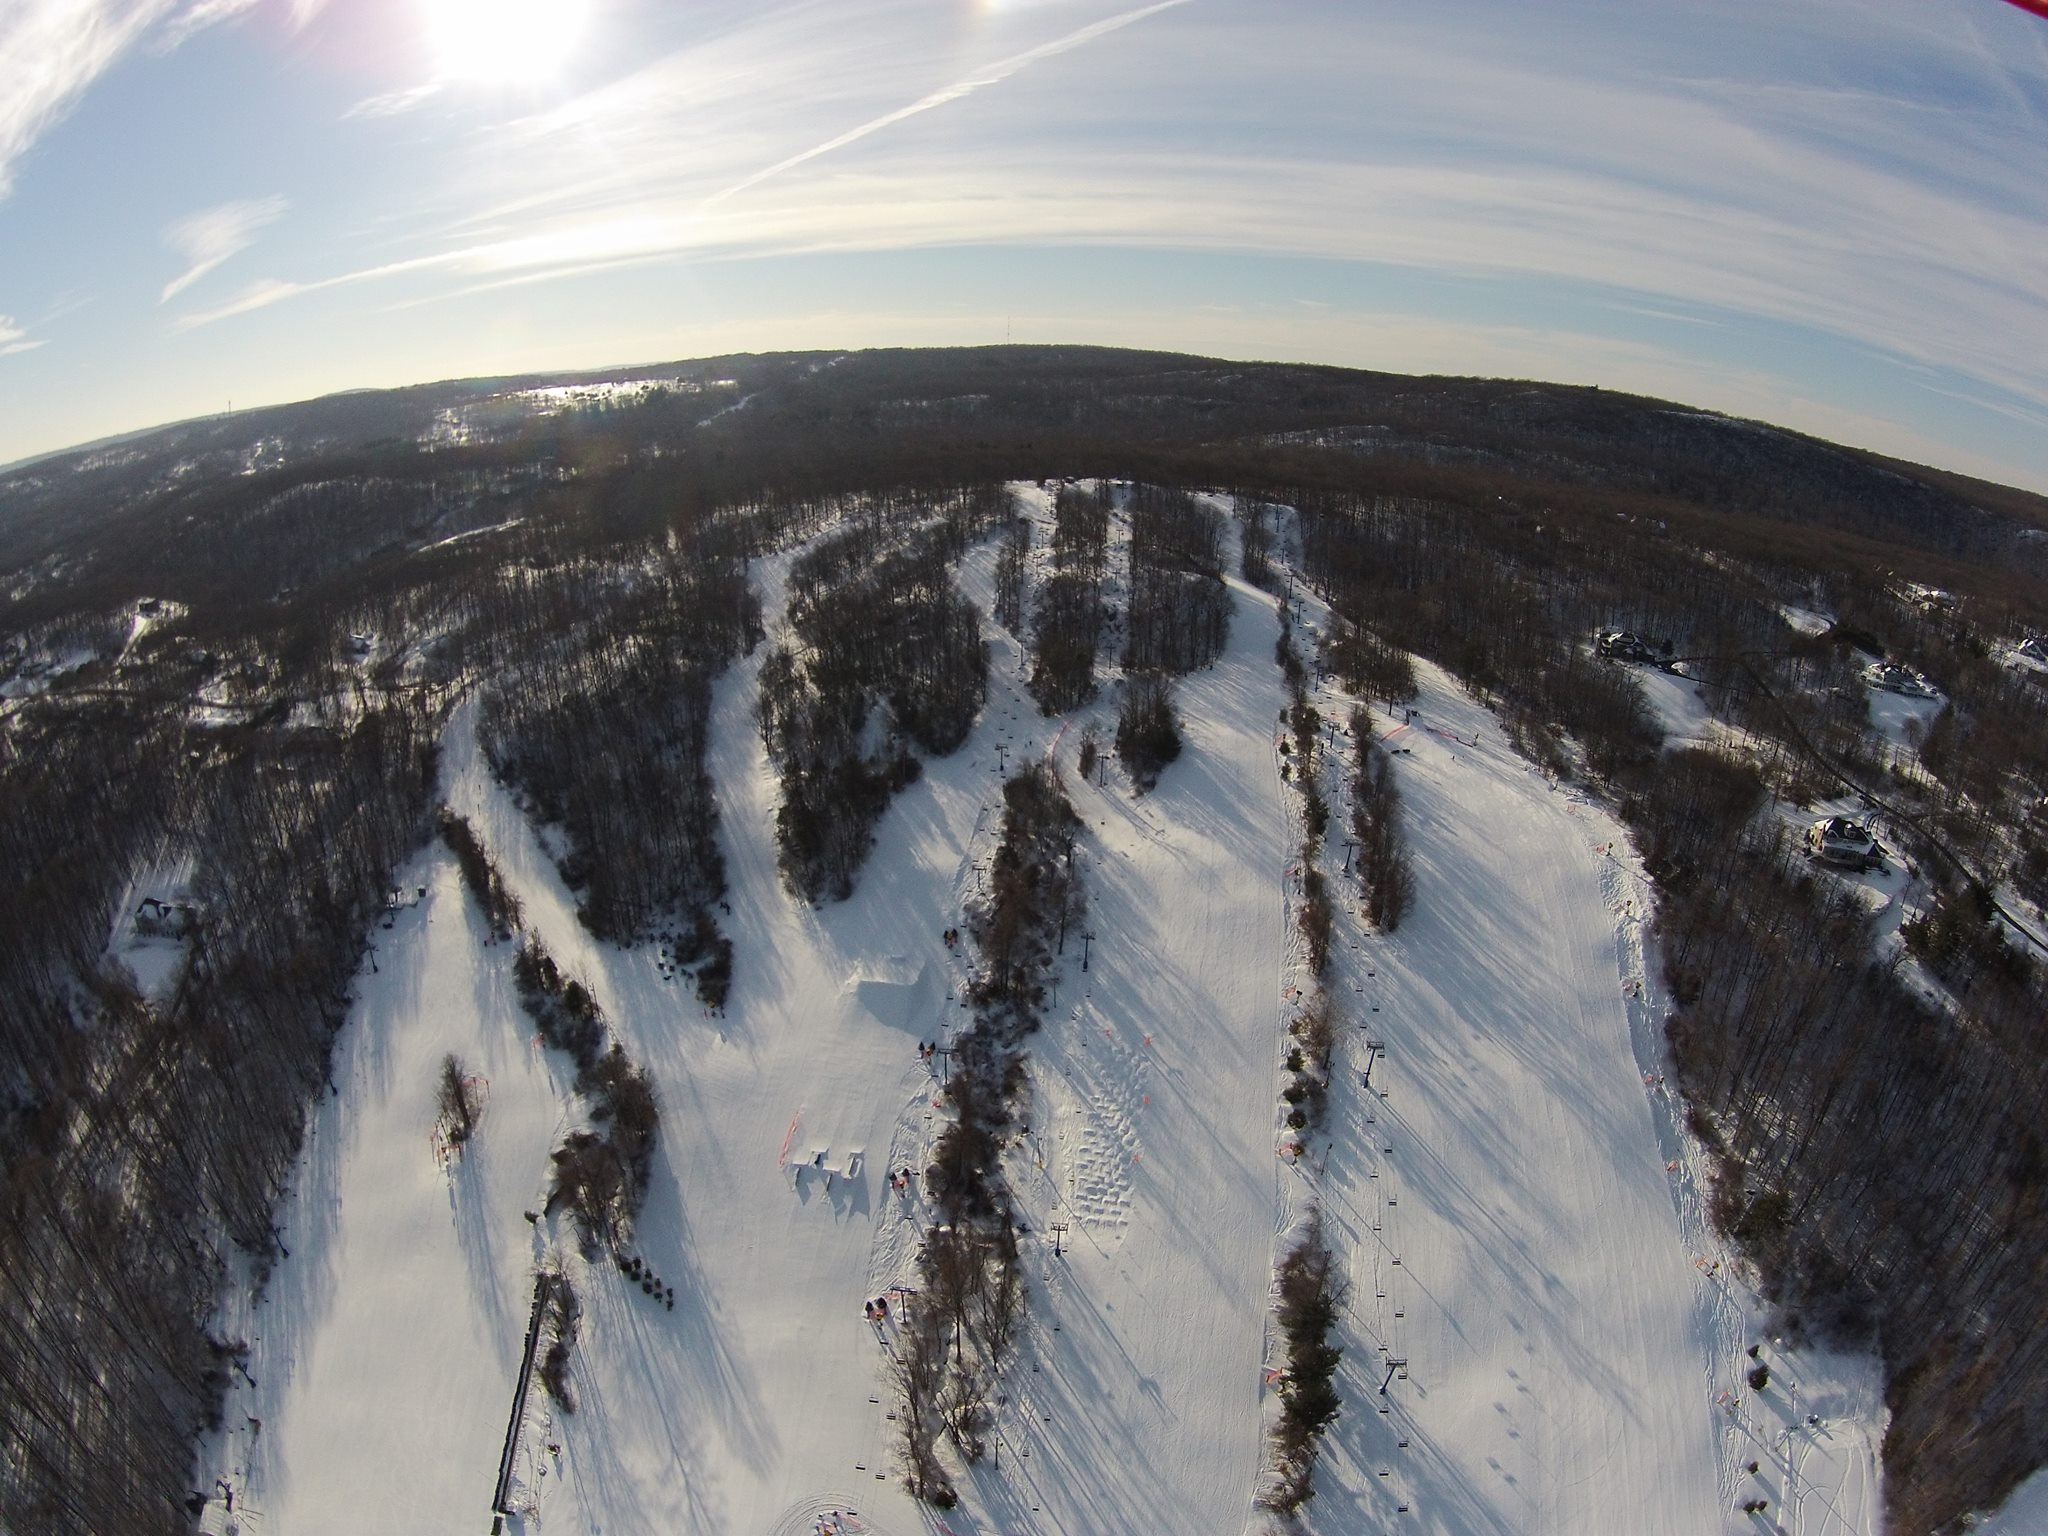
column 1521, row 1212
column 2024, row 1514
column 1678, row 706
column 1894, row 713
column 383, row 1350
column 1808, row 621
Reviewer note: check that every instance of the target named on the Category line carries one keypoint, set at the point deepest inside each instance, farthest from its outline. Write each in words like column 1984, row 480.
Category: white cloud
column 635, row 224
column 258, row 295
column 1871, row 187
column 206, row 239
column 14, row 339
column 51, row 51
column 198, row 16
column 393, row 103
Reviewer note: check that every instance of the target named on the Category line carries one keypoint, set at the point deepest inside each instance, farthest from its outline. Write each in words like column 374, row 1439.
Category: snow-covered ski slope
column 383, row 1350
column 1556, row 1298
column 1511, row 1219
column 1138, row 1394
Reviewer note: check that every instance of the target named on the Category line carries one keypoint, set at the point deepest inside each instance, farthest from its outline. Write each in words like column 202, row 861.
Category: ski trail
column 1506, row 1204
column 1147, row 1335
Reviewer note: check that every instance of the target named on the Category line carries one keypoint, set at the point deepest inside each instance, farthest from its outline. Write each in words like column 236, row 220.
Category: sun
column 504, row 42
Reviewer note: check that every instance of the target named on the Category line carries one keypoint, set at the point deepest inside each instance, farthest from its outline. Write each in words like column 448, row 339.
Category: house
column 2033, row 649
column 163, row 919
column 1622, row 645
column 1838, row 840
column 1894, row 677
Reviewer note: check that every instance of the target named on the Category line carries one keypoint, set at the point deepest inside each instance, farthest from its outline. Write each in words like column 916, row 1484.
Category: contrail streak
column 992, row 75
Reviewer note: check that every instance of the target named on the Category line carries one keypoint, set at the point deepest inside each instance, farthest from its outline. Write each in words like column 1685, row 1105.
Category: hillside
column 1494, row 1196
column 681, row 754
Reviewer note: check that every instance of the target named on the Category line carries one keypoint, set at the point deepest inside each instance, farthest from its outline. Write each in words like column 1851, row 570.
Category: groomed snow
column 383, row 1351
column 1521, row 1202
column 1567, row 1321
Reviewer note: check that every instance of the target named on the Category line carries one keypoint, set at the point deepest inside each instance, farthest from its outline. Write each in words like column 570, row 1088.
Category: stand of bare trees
column 600, row 1174
column 1308, row 1059
column 1313, row 1293
column 1180, row 610
column 562, row 1324
column 1011, row 576
column 480, row 874
column 888, row 656
column 1302, row 747
column 1147, row 730
column 1071, row 613
column 1033, row 898
column 1255, row 549
column 955, row 1336
column 455, row 1105
column 1368, row 665
column 604, row 732
column 960, row 1328
column 1386, row 873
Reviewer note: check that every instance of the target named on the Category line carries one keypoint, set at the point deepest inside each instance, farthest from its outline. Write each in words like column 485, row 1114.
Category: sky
column 1828, row 214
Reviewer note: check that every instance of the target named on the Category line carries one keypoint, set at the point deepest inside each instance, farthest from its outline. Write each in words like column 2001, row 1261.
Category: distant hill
column 811, row 419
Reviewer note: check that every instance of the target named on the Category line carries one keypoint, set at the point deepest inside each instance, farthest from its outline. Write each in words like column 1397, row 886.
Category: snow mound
column 901, row 992
column 1807, row 621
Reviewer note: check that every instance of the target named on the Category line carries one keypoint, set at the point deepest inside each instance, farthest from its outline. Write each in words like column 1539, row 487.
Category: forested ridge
column 228, row 651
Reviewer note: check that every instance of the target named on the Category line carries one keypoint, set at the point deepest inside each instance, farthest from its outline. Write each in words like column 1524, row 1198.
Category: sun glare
column 504, row 42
